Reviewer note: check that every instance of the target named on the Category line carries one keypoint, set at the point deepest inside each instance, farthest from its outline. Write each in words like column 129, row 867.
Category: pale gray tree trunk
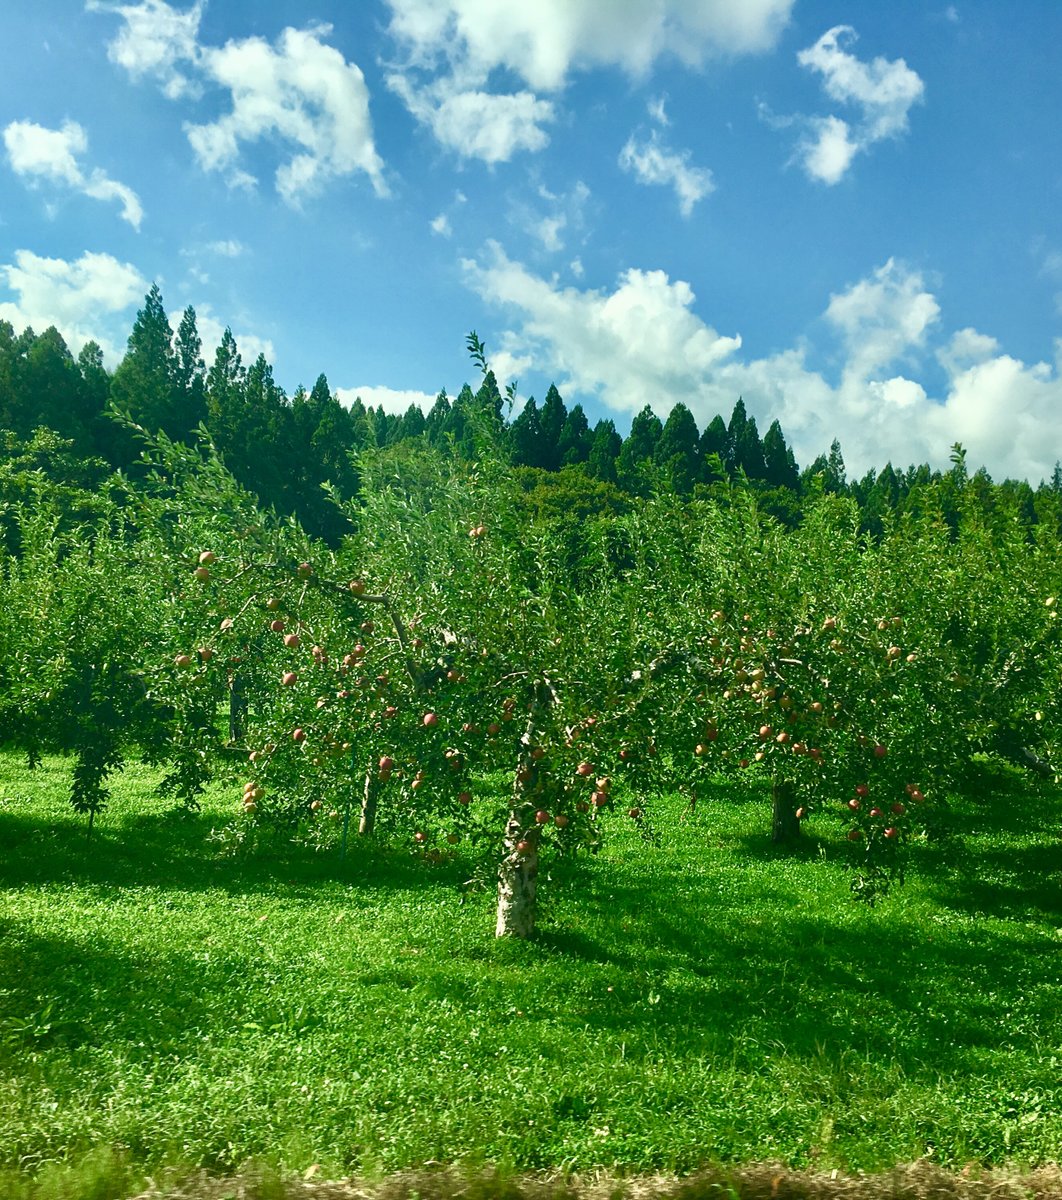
column 517, row 881
column 369, row 796
column 518, row 872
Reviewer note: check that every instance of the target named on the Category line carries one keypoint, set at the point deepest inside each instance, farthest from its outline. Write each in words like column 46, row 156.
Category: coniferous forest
column 283, row 448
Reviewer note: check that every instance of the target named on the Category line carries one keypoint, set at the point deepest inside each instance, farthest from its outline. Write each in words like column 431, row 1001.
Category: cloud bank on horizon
column 592, row 186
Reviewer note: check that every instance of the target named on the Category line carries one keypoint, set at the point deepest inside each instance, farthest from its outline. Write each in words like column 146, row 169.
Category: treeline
column 282, row 449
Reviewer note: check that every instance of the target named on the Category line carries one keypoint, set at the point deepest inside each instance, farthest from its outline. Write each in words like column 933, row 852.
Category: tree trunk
column 517, row 881
column 237, row 708
column 367, row 821
column 785, row 828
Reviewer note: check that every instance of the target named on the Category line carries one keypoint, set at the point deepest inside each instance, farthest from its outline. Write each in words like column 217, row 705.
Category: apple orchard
column 447, row 681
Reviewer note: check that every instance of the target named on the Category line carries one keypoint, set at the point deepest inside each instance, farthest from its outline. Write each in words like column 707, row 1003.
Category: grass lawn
column 708, row 999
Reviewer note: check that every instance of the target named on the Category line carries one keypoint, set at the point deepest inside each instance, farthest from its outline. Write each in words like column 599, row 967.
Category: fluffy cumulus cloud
column 643, row 340
column 545, row 41
column 39, row 154
column 82, row 299
column 299, row 92
column 882, row 92
column 474, row 123
column 451, row 48
column 156, row 40
column 651, row 162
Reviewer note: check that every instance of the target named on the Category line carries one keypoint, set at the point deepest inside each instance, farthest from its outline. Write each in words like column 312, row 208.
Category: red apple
column 182, row 660
column 880, row 751
column 277, row 625
column 585, row 769
column 855, row 804
column 524, row 847
column 429, row 720
column 634, row 813
column 299, row 735
column 291, row 640
column 207, row 557
column 304, row 570
column 892, row 832
column 541, row 817
column 560, row 820
column 862, row 790
column 464, row 799
column 289, row 678
column 202, row 573
column 357, row 586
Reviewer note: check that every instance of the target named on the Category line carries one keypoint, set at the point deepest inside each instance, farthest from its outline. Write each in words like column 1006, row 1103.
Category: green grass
column 706, row 1000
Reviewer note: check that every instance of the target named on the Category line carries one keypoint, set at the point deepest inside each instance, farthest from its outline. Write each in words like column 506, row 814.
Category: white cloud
column 657, row 109
column 827, row 149
column 644, row 341
column 81, row 298
column 451, row 49
column 441, row 225
column 301, row 92
column 883, row 91
column 474, row 123
column 543, row 42
column 652, row 163
column 154, row 40
column 226, row 248
column 38, row 153
column 883, row 317
column 394, row 400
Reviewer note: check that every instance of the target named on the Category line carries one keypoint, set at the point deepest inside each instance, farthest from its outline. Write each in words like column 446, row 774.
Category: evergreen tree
column 226, row 415
column 780, row 467
column 189, row 373
column 604, row 451
column 437, row 419
column 714, row 451
column 525, row 437
column 677, row 452
column 573, row 445
column 552, row 418
column 50, row 386
column 639, row 448
column 744, row 445
column 412, row 424
column 144, row 383
column 490, row 402
column 835, row 472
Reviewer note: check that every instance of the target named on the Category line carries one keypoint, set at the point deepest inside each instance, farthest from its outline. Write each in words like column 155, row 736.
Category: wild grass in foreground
column 707, row 999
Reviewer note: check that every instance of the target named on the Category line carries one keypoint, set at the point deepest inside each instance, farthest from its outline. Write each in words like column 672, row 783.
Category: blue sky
column 847, row 214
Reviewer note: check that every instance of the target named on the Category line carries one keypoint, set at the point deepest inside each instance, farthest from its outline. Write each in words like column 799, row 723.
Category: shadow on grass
column 652, row 953
column 175, row 849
